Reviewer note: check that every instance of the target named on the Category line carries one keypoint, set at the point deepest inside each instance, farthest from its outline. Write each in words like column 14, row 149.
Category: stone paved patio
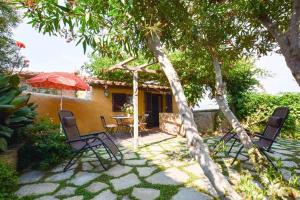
column 160, row 169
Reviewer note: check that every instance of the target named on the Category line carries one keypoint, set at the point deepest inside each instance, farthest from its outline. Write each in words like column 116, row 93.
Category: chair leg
column 237, row 154
column 114, row 146
column 223, row 139
column 98, row 158
column 69, row 164
column 107, row 151
column 268, row 158
column 231, row 147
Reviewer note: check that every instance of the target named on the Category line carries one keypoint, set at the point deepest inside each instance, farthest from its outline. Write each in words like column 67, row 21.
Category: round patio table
column 120, row 119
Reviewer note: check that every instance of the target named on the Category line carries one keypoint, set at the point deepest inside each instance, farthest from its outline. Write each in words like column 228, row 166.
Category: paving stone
column 105, row 195
column 289, row 164
column 96, row 187
column 204, row 184
column 176, row 163
column 60, row 176
column 234, row 176
column 125, row 182
column 96, row 163
column 279, row 156
column 61, row 167
column 74, row 198
column 171, row 176
column 118, row 170
column 286, row 174
column 128, row 156
column 88, row 159
column 190, row 194
column 145, row 193
column 36, row 189
column 48, row 197
column 30, row 177
column 195, row 169
column 87, row 166
column 160, row 156
column 125, row 198
column 165, row 164
column 99, row 168
column 82, row 178
column 67, row 191
column 158, row 162
column 145, row 171
column 105, row 156
column 155, row 149
column 287, row 152
column 135, row 162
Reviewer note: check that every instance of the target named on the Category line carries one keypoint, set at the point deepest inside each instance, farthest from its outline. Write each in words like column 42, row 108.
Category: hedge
column 254, row 109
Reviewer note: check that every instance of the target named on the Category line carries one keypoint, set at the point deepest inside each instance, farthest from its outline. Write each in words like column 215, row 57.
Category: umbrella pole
column 61, row 100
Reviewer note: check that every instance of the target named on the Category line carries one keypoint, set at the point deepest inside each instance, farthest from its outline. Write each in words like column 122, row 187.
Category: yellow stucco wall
column 87, row 112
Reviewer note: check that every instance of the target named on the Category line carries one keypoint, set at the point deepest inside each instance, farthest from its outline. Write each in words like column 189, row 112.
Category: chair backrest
column 69, row 125
column 103, row 121
column 273, row 127
column 143, row 118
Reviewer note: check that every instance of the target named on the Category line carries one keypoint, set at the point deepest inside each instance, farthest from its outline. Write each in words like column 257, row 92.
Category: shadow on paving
column 286, row 156
column 160, row 169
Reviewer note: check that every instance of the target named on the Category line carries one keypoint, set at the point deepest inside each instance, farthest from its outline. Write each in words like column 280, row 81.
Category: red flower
column 20, row 44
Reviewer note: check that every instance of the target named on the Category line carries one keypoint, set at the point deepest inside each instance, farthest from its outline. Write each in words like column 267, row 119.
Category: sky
column 50, row 53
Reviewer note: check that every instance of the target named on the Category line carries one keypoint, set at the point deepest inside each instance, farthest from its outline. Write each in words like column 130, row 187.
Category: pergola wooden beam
column 141, row 68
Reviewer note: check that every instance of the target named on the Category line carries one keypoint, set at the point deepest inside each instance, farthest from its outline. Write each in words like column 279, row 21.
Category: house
column 105, row 98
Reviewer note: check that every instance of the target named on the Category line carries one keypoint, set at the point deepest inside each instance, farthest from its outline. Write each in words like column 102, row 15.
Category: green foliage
column 16, row 112
column 254, row 109
column 98, row 66
column 8, row 182
column 9, row 52
column 45, row 146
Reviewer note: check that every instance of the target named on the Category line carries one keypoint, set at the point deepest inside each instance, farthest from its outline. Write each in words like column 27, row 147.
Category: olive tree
column 272, row 24
column 112, row 27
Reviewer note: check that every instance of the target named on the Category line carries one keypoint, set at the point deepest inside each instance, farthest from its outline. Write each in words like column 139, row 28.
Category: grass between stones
column 176, row 154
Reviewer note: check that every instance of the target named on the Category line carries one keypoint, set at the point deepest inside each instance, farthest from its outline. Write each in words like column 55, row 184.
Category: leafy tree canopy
column 9, row 52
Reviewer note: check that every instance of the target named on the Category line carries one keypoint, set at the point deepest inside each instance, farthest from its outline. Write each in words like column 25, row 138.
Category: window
column 118, row 100
column 169, row 102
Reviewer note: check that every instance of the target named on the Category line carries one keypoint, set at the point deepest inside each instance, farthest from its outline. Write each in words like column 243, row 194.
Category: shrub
column 254, row 109
column 15, row 111
column 8, row 182
column 45, row 146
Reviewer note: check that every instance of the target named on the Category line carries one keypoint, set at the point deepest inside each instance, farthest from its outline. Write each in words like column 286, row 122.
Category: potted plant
column 127, row 108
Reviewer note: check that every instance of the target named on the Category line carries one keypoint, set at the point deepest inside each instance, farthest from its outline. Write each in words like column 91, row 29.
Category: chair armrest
column 92, row 134
column 260, row 136
column 78, row 140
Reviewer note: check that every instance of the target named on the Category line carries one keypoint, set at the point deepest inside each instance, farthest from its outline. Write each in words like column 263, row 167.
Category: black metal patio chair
column 268, row 136
column 80, row 144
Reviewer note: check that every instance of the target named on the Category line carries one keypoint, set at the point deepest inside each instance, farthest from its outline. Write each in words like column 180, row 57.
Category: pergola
column 134, row 70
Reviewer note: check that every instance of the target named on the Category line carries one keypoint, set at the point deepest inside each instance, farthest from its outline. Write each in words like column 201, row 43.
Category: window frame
column 127, row 100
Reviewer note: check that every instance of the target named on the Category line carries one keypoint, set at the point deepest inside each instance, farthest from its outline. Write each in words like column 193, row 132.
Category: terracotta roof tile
column 98, row 82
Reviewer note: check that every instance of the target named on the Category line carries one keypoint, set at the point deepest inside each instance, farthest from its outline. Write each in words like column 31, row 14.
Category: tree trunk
column 289, row 41
column 255, row 156
column 293, row 61
column 196, row 145
column 236, row 125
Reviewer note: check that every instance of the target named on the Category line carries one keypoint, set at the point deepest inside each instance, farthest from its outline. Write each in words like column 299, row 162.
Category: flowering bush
column 127, row 108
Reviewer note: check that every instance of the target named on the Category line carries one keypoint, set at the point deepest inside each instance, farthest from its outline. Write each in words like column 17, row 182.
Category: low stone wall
column 170, row 123
column 204, row 119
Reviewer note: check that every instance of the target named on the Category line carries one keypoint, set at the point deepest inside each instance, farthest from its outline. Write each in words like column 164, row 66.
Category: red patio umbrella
column 58, row 80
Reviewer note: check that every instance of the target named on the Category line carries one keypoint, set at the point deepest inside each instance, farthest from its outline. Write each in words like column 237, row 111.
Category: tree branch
column 273, row 29
column 293, row 30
